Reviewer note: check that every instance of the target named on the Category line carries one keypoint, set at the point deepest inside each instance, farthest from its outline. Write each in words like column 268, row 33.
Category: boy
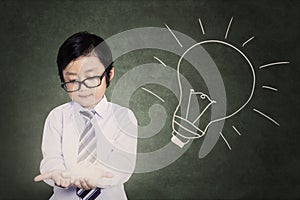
column 89, row 144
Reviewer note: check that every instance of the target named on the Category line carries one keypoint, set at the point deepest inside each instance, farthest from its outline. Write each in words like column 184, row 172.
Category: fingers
column 57, row 180
column 77, row 183
column 65, row 182
column 91, row 184
column 38, row 178
column 44, row 176
column 56, row 176
column 83, row 182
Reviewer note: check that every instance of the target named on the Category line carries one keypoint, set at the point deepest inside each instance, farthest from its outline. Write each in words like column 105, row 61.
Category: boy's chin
column 87, row 104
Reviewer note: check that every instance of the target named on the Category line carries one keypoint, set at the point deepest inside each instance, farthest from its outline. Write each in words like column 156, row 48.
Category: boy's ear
column 111, row 73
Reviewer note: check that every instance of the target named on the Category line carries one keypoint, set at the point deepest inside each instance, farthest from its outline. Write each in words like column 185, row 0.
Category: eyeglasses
column 90, row 82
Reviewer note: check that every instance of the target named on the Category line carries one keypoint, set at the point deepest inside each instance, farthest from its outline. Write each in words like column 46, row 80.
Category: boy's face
column 79, row 70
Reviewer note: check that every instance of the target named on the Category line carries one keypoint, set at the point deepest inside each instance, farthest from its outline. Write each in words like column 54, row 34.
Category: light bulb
column 187, row 129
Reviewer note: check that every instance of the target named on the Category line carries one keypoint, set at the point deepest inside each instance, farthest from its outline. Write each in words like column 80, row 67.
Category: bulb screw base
column 178, row 142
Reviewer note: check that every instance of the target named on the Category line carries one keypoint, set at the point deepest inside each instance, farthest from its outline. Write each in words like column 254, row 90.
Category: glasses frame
column 63, row 84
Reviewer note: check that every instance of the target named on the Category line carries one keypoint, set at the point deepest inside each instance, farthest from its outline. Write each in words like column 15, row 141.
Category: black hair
column 82, row 44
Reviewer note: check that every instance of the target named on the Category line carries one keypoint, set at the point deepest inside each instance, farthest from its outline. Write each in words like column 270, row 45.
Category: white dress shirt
column 116, row 134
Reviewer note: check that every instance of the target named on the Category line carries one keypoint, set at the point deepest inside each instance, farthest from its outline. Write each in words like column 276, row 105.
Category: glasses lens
column 92, row 82
column 71, row 86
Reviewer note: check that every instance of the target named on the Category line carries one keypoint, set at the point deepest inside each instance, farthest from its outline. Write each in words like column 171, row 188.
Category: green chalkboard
column 245, row 57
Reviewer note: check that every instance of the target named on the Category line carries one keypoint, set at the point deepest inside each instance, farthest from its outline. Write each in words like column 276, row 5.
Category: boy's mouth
column 85, row 96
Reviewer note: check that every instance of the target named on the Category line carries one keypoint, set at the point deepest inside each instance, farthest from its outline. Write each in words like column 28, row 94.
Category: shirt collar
column 101, row 108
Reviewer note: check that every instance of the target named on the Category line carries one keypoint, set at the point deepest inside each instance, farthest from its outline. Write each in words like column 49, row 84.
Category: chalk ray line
column 275, row 63
column 236, row 130
column 160, row 61
column 270, row 88
column 201, row 25
column 153, row 94
column 173, row 35
column 266, row 116
column 225, row 140
column 248, row 41
column 228, row 27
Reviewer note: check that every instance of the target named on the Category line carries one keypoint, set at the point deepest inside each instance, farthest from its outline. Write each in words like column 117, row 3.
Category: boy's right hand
column 56, row 176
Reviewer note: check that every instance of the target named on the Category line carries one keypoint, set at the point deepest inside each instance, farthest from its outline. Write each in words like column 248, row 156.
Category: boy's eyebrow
column 71, row 73
column 89, row 70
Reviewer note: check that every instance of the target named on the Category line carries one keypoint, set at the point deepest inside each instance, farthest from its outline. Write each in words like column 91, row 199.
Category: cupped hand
column 56, row 176
column 85, row 175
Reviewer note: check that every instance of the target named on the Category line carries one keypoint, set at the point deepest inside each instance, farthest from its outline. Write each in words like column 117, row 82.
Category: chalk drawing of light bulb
column 187, row 125
column 186, row 129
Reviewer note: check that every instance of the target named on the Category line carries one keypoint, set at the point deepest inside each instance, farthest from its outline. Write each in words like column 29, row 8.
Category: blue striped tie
column 88, row 152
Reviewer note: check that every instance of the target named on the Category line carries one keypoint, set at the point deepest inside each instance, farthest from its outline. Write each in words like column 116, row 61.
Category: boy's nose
column 83, row 87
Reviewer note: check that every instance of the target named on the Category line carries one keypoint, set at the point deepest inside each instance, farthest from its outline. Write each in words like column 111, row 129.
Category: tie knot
column 88, row 114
